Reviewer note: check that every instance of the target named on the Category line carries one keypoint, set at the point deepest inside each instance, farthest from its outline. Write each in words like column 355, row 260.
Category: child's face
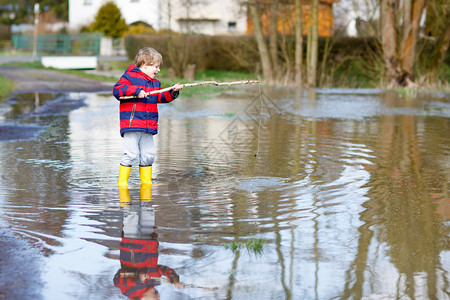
column 151, row 71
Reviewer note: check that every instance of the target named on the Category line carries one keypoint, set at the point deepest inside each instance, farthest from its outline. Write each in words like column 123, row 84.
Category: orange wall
column 286, row 21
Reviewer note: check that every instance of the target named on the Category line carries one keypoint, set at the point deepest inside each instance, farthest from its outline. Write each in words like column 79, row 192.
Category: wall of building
column 211, row 17
column 83, row 12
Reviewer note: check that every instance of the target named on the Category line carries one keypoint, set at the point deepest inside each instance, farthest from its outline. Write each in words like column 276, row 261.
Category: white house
column 212, row 17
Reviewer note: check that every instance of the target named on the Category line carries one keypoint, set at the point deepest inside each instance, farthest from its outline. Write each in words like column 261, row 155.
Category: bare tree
column 281, row 52
column 313, row 44
column 298, row 43
column 279, row 64
column 260, row 39
column 402, row 17
column 273, row 37
column 412, row 12
column 388, row 41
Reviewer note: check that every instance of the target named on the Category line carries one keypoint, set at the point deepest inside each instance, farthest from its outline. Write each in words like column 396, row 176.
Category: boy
column 139, row 115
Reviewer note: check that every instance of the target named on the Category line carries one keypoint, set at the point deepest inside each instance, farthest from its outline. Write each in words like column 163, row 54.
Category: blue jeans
column 138, row 145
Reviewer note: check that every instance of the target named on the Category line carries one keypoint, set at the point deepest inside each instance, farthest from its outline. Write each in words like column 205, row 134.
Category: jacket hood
column 133, row 69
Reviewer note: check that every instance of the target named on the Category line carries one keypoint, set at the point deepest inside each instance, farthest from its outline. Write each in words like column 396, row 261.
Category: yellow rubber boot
column 124, row 174
column 145, row 173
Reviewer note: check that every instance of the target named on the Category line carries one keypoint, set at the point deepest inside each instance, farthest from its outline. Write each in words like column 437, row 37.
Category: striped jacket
column 139, row 257
column 139, row 114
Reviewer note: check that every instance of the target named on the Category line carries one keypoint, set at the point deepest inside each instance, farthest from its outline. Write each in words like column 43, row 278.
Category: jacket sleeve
column 123, row 87
column 167, row 96
column 169, row 273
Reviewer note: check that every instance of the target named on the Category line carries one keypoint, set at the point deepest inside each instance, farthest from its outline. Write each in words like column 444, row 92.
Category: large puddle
column 346, row 191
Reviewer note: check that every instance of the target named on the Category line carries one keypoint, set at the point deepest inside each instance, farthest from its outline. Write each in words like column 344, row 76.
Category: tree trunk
column 312, row 67
column 388, row 42
column 442, row 48
column 298, row 43
column 399, row 59
column 406, row 18
column 261, row 42
column 411, row 31
column 273, row 38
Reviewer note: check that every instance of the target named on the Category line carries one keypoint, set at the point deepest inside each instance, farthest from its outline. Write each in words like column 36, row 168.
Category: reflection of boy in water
column 140, row 272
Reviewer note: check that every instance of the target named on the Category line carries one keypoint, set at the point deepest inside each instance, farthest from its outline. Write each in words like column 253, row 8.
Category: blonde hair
column 148, row 56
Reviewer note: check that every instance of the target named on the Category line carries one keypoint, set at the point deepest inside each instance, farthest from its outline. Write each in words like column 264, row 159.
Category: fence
column 60, row 44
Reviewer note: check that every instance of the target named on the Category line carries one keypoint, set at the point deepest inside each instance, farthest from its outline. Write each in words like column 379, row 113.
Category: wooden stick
column 165, row 280
column 196, row 84
column 237, row 82
column 199, row 83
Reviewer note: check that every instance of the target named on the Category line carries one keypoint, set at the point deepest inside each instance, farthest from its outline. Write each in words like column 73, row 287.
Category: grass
column 6, row 86
column 229, row 115
column 252, row 245
column 198, row 91
column 408, row 93
column 205, row 90
column 115, row 64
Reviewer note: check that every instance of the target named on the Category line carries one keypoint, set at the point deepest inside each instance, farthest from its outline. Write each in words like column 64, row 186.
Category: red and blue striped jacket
column 139, row 257
column 139, row 114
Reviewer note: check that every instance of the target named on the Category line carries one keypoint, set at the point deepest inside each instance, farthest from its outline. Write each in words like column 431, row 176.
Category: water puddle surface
column 312, row 194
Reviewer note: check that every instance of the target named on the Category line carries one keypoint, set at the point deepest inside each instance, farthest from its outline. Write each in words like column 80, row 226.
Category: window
column 231, row 26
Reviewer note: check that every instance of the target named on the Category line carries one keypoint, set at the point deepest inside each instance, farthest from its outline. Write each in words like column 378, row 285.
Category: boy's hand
column 174, row 278
column 142, row 94
column 177, row 87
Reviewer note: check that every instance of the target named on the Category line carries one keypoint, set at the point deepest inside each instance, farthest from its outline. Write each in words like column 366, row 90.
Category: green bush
column 109, row 21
